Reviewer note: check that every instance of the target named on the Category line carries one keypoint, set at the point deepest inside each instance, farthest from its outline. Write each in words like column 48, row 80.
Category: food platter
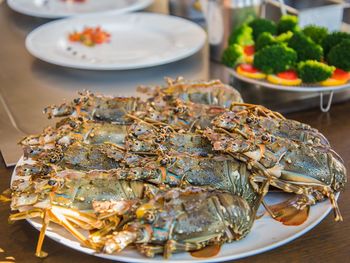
column 58, row 8
column 299, row 88
column 137, row 41
column 322, row 90
column 266, row 234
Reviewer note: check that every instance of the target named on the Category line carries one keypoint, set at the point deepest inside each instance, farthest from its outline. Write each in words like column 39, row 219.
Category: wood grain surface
column 327, row 242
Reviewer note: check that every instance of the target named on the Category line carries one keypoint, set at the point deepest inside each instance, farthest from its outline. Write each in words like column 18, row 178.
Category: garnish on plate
column 288, row 78
column 339, row 77
column 90, row 36
column 289, row 55
column 248, row 70
column 249, row 51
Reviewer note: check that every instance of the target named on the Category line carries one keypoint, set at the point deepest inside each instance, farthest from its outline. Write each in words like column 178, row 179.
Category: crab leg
column 78, row 216
column 36, row 212
column 99, row 234
column 119, row 240
column 337, row 214
column 260, row 109
column 45, row 223
column 55, row 214
column 5, row 196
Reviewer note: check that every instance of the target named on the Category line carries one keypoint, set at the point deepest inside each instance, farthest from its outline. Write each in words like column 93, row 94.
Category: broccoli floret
column 233, row 55
column 284, row 37
column 332, row 40
column 287, row 23
column 339, row 55
column 265, row 39
column 312, row 71
column 316, row 33
column 305, row 47
column 274, row 59
column 261, row 25
column 242, row 35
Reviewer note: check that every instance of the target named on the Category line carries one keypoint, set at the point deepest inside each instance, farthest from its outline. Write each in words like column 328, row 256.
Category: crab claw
column 119, row 240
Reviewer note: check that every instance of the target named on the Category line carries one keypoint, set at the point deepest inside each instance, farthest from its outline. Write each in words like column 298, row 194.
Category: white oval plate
column 61, row 8
column 265, row 235
column 301, row 88
column 138, row 40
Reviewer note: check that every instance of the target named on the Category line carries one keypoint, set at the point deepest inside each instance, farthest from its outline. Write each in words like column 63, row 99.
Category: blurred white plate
column 138, row 40
column 64, row 8
column 265, row 235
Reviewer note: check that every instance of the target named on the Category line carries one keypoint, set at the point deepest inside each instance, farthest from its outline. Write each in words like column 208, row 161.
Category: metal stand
column 329, row 103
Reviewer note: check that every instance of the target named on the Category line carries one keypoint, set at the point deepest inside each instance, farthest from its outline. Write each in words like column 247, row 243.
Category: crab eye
column 159, row 139
column 163, row 162
column 203, row 154
column 73, row 125
column 52, row 182
column 249, row 120
column 149, row 217
column 265, row 137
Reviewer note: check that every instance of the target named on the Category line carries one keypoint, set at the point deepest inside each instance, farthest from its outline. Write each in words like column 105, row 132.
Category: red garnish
column 340, row 74
column 249, row 68
column 249, row 50
column 90, row 36
column 289, row 74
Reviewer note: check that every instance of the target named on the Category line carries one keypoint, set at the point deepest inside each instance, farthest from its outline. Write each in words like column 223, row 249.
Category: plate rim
column 142, row 4
column 51, row 235
column 264, row 83
column 29, row 44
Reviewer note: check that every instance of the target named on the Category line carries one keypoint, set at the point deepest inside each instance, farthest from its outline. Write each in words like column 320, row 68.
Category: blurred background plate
column 137, row 41
column 64, row 8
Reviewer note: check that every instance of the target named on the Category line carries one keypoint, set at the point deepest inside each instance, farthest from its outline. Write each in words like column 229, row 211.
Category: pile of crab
column 184, row 169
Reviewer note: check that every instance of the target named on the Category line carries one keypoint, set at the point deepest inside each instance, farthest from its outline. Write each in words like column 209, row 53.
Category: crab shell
column 185, row 220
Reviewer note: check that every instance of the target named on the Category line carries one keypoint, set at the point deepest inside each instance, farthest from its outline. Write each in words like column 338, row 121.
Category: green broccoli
column 233, row 55
column 339, row 55
column 312, row 71
column 265, row 39
column 287, row 23
column 261, row 25
column 305, row 47
column 284, row 37
column 274, row 59
column 316, row 33
column 332, row 40
column 242, row 35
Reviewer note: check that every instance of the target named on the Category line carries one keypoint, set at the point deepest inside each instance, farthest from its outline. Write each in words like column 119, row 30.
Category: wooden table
column 327, row 242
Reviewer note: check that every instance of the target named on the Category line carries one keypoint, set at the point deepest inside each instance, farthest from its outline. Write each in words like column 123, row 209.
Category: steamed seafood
column 140, row 172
